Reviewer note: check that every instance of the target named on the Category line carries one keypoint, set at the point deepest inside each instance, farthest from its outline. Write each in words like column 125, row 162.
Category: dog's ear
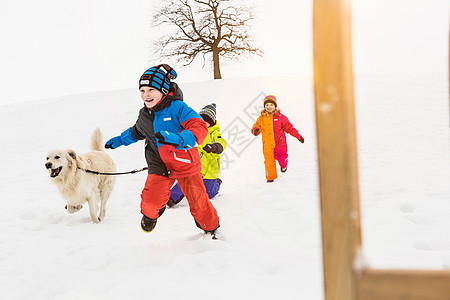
column 72, row 154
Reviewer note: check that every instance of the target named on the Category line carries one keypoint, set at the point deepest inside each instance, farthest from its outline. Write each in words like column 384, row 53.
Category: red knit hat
column 272, row 99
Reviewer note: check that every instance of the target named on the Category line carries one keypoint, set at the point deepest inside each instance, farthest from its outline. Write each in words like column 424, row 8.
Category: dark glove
column 216, row 148
column 255, row 131
column 169, row 138
column 301, row 139
column 114, row 143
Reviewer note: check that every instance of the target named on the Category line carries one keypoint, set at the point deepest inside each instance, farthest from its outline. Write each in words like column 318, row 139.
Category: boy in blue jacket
column 171, row 130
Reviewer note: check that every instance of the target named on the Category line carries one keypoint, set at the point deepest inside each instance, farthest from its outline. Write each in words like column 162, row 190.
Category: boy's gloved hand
column 216, row 148
column 125, row 138
column 255, row 131
column 169, row 138
column 301, row 139
column 114, row 143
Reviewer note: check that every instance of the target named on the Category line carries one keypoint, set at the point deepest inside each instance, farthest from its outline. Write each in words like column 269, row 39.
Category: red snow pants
column 156, row 193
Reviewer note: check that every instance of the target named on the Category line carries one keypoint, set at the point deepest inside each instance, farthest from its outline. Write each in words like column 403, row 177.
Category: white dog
column 67, row 170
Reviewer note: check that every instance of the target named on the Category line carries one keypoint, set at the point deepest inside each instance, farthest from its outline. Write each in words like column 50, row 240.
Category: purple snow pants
column 211, row 185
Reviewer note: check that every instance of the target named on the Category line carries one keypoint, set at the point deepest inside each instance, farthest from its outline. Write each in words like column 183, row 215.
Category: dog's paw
column 73, row 209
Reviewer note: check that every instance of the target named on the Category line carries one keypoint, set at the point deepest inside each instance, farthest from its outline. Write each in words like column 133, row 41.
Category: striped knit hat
column 208, row 113
column 271, row 99
column 158, row 77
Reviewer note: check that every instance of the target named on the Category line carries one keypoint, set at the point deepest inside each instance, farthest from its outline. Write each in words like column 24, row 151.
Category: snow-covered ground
column 270, row 245
column 404, row 156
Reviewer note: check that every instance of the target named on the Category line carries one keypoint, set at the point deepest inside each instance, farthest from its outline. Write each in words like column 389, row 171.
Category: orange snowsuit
column 273, row 128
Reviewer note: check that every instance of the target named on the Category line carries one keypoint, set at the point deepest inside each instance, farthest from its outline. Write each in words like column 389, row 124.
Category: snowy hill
column 270, row 246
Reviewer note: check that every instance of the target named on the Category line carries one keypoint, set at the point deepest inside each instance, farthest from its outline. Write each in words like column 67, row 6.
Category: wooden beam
column 338, row 174
column 404, row 284
column 336, row 143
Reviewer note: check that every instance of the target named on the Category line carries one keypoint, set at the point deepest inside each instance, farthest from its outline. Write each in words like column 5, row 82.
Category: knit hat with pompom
column 270, row 99
column 158, row 77
column 208, row 113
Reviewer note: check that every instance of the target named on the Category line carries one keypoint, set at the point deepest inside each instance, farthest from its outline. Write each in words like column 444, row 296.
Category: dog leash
column 110, row 174
column 120, row 173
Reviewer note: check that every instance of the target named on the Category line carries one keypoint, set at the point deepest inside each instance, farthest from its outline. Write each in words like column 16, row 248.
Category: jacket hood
column 276, row 113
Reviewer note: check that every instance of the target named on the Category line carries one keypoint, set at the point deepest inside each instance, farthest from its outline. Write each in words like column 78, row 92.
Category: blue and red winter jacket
column 175, row 119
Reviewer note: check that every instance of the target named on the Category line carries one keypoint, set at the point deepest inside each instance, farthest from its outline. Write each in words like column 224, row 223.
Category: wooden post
column 339, row 192
column 336, row 143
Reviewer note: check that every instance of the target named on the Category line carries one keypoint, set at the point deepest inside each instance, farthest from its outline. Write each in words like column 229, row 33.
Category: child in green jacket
column 210, row 150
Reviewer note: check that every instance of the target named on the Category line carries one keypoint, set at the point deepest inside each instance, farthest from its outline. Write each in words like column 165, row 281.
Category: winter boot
column 212, row 233
column 171, row 203
column 147, row 224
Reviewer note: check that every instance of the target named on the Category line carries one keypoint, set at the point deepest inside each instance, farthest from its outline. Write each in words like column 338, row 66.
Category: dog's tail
column 97, row 140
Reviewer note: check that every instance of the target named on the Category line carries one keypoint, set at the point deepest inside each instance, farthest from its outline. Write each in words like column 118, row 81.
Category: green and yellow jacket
column 211, row 161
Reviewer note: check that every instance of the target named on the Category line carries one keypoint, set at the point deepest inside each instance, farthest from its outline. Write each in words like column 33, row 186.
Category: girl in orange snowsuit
column 273, row 125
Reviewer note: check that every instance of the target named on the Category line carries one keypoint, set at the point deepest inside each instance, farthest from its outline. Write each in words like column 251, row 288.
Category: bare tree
column 211, row 29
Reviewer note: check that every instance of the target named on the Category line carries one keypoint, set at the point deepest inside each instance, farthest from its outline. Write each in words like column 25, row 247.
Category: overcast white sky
column 52, row 48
